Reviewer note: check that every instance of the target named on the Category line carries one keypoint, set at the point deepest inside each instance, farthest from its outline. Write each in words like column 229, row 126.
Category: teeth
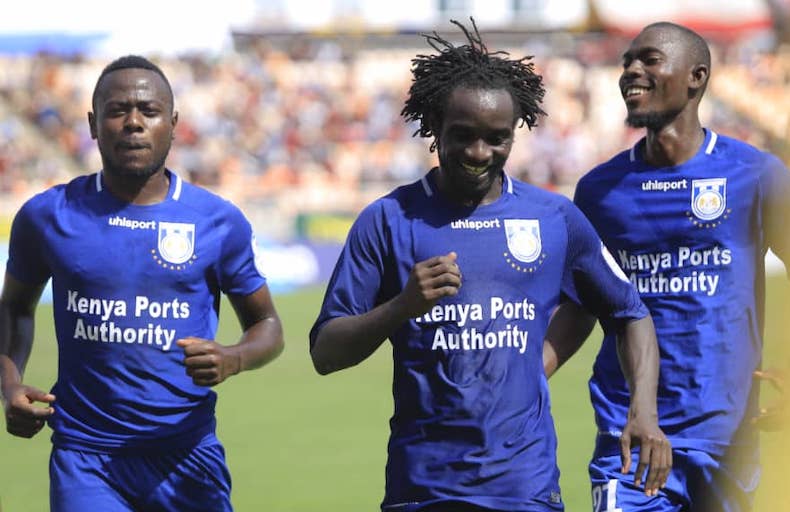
column 634, row 91
column 475, row 170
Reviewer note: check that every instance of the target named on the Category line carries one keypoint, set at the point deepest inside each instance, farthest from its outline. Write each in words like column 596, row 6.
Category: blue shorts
column 190, row 479
column 698, row 482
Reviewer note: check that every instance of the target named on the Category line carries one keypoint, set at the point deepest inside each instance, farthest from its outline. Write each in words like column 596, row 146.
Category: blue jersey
column 129, row 281
column 692, row 238
column 471, row 418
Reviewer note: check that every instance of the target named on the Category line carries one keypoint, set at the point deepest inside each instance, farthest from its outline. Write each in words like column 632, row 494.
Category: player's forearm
column 346, row 341
column 260, row 344
column 639, row 359
column 16, row 342
column 569, row 327
column 9, row 375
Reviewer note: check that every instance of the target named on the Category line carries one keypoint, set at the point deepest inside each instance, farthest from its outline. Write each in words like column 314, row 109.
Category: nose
column 133, row 120
column 479, row 152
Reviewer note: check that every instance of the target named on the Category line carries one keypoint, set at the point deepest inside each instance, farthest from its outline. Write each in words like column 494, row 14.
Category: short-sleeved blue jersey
column 692, row 238
column 472, row 419
column 129, row 281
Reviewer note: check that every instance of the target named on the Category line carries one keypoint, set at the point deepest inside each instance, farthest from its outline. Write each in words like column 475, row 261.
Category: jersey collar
column 709, row 143
column 428, row 183
column 173, row 193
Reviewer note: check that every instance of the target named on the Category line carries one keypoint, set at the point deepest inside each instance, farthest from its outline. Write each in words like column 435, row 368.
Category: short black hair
column 131, row 62
column 436, row 76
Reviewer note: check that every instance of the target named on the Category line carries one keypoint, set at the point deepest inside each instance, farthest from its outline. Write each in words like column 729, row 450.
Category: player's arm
column 18, row 303
column 568, row 329
column 602, row 288
column 775, row 191
column 210, row 363
column 776, row 214
column 345, row 341
column 637, row 349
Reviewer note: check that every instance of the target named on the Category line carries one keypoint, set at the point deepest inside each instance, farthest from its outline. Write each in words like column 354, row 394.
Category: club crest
column 708, row 198
column 176, row 241
column 523, row 239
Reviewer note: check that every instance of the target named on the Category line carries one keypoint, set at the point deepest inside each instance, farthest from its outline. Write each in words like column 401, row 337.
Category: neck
column 138, row 190
column 469, row 199
column 675, row 143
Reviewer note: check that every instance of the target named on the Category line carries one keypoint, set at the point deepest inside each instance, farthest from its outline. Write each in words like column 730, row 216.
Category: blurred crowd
column 317, row 128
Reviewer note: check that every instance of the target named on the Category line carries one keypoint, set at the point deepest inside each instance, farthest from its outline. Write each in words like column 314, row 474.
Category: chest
column 512, row 253
column 655, row 210
column 129, row 250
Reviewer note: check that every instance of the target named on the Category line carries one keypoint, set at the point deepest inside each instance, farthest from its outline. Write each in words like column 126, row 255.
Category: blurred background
column 290, row 108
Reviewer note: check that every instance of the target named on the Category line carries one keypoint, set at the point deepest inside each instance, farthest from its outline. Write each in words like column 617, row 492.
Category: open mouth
column 476, row 170
column 634, row 91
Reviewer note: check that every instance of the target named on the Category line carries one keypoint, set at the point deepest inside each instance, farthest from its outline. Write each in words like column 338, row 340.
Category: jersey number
column 604, row 497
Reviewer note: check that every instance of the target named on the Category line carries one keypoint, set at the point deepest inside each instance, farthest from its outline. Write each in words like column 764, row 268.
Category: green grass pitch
column 298, row 442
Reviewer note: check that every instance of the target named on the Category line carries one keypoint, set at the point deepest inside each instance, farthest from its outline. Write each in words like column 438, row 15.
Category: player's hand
column 429, row 281
column 207, row 362
column 655, row 453
column 23, row 418
column 776, row 416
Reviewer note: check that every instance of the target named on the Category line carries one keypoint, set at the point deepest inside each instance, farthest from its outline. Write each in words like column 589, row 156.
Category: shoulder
column 560, row 218
column 729, row 149
column 46, row 200
column 612, row 169
column 397, row 202
column 379, row 221
column 537, row 196
column 728, row 145
column 207, row 203
column 58, row 196
column 544, row 202
column 596, row 184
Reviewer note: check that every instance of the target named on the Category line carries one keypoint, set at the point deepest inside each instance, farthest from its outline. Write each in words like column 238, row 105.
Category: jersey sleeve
column 238, row 270
column 592, row 277
column 26, row 250
column 581, row 196
column 775, row 192
column 355, row 285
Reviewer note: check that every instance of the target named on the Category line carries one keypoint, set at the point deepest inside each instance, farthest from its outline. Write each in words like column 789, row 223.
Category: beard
column 134, row 173
column 653, row 121
column 465, row 188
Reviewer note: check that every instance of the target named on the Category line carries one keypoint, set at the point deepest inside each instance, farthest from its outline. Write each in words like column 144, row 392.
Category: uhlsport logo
column 176, row 242
column 523, row 239
column 709, row 198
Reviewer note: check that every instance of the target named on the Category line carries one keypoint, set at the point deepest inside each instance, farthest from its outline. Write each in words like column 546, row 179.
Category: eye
column 499, row 138
column 114, row 112
column 627, row 60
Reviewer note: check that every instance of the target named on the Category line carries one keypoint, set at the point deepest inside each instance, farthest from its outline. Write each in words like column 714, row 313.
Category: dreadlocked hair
column 436, row 76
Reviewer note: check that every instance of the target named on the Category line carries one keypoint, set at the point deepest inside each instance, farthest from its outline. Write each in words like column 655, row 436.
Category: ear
column 92, row 125
column 698, row 77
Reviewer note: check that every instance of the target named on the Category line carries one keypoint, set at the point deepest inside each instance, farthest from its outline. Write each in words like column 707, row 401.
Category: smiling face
column 133, row 123
column 655, row 82
column 474, row 143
